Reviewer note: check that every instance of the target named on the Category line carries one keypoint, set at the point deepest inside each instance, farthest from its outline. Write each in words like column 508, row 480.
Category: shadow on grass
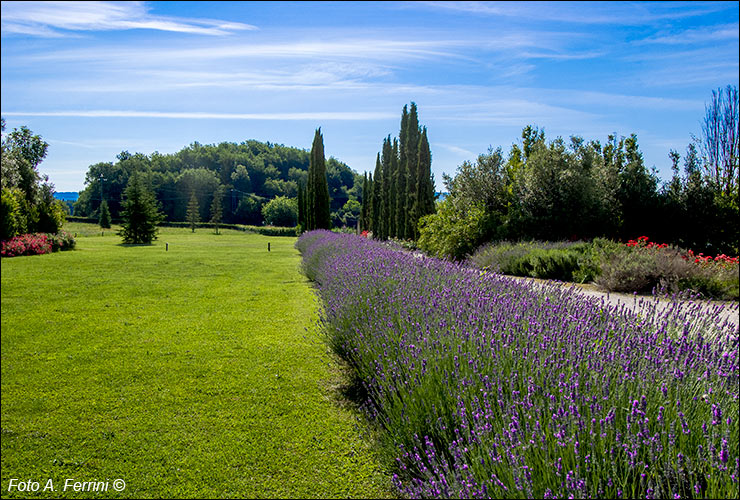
column 136, row 245
column 353, row 391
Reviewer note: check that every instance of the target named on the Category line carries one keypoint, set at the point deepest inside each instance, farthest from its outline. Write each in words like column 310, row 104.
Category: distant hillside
column 67, row 195
column 247, row 175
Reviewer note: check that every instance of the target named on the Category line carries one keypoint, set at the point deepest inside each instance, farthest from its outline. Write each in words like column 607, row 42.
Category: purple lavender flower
column 501, row 377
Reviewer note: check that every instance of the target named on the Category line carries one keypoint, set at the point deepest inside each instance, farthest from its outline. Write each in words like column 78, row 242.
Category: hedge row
column 264, row 230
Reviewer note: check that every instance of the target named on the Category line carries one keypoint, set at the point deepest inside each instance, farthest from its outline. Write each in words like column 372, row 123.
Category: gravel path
column 726, row 310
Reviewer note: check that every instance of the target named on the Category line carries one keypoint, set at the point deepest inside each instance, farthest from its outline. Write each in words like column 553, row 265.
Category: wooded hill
column 249, row 174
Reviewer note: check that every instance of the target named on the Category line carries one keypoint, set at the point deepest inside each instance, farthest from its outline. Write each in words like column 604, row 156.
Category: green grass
column 193, row 372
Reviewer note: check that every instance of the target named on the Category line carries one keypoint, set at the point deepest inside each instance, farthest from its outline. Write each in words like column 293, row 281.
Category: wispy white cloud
column 710, row 72
column 508, row 111
column 604, row 100
column 104, row 113
column 563, row 56
column 457, row 150
column 693, row 36
column 614, row 13
column 55, row 19
column 356, row 48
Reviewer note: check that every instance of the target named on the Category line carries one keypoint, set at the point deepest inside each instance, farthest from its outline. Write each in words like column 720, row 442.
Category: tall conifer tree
column 363, row 210
column 387, row 176
column 413, row 134
column 401, row 178
column 318, row 202
column 378, row 199
column 369, row 198
column 424, row 200
column 301, row 207
column 394, row 190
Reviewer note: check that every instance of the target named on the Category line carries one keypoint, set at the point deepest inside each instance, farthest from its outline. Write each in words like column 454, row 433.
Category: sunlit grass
column 187, row 372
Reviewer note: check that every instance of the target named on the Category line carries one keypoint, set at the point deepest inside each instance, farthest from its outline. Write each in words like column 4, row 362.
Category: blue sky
column 96, row 78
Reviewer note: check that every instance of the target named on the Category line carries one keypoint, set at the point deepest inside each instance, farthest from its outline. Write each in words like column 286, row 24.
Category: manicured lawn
column 193, row 372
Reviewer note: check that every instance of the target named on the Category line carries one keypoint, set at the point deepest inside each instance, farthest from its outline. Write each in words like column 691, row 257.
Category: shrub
column 642, row 266
column 565, row 261
column 272, row 230
column 26, row 244
column 51, row 214
column 61, row 241
column 281, row 211
column 37, row 244
column 12, row 219
column 452, row 232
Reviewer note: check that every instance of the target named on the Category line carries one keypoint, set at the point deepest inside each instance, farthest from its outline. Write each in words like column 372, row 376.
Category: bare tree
column 720, row 141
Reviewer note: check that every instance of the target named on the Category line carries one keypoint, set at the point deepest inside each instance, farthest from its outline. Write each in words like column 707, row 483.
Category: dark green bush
column 272, row 230
column 451, row 232
column 61, row 241
column 564, row 261
column 264, row 230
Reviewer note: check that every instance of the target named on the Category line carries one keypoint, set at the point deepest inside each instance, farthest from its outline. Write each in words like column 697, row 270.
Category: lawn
column 195, row 371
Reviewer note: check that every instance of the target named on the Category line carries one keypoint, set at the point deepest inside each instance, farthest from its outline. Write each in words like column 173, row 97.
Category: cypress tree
column 394, row 190
column 363, row 210
column 387, row 175
column 369, row 198
column 424, row 199
column 318, row 202
column 310, row 215
column 139, row 212
column 400, row 208
column 104, row 219
column 193, row 215
column 301, row 208
column 378, row 199
column 413, row 134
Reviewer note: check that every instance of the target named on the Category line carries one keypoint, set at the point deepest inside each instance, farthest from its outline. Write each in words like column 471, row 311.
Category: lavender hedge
column 490, row 387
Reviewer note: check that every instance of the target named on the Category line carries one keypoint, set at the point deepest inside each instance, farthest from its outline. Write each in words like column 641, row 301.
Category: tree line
column 401, row 190
column 578, row 189
column 245, row 176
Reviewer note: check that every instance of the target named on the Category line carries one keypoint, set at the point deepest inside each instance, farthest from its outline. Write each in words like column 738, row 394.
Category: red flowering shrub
column 648, row 265
column 26, row 244
column 37, row 244
column 643, row 242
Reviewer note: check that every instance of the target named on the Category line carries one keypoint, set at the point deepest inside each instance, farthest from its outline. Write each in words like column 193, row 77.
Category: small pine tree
column 216, row 208
column 193, row 215
column 139, row 212
column 104, row 219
